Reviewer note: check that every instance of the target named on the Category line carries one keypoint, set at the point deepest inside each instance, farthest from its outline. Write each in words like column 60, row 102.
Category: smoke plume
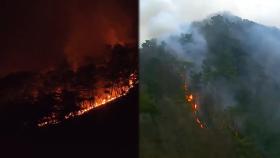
column 38, row 35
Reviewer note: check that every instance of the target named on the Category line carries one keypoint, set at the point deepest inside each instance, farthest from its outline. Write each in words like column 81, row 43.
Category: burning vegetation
column 232, row 90
column 69, row 68
column 89, row 100
column 193, row 101
column 58, row 94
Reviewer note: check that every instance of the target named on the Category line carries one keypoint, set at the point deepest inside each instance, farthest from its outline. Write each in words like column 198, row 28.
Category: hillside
column 64, row 111
column 230, row 66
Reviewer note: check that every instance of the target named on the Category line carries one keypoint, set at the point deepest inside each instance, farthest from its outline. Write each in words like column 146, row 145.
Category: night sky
column 38, row 35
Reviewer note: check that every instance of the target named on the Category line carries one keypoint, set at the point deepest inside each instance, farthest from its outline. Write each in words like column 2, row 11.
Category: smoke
column 32, row 35
column 239, row 63
column 236, row 73
column 38, row 35
column 163, row 16
column 264, row 44
column 95, row 25
column 189, row 44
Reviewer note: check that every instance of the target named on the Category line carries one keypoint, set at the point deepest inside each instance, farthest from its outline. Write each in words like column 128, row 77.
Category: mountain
column 92, row 110
column 229, row 106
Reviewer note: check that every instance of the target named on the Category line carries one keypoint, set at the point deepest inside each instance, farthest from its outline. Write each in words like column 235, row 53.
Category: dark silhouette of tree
column 69, row 102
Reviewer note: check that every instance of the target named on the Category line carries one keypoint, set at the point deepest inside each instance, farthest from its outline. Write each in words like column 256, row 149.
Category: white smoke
column 159, row 17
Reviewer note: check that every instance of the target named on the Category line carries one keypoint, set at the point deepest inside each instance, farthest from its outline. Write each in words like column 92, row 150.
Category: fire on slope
column 115, row 92
column 192, row 100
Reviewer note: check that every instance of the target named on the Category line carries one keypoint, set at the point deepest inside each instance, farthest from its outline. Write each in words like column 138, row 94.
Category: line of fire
column 55, row 95
column 67, row 69
column 192, row 100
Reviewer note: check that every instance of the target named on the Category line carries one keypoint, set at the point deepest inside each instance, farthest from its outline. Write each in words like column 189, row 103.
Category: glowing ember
column 198, row 121
column 191, row 100
column 201, row 126
column 89, row 104
column 195, row 106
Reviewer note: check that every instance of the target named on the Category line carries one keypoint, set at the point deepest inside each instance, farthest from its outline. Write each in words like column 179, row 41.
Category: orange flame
column 195, row 106
column 88, row 105
column 191, row 100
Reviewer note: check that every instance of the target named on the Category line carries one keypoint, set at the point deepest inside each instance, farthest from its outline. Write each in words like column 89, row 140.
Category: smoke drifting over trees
column 231, row 65
column 159, row 17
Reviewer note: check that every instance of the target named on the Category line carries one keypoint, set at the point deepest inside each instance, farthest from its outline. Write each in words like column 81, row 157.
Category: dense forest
column 230, row 65
column 35, row 99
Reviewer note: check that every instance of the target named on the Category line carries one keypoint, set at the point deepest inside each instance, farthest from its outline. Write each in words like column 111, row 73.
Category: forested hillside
column 230, row 66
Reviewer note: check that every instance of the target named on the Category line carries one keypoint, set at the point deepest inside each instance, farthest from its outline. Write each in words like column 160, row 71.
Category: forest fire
column 195, row 106
column 86, row 105
column 190, row 99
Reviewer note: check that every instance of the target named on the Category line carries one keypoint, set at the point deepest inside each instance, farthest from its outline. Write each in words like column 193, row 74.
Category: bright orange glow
column 89, row 104
column 190, row 99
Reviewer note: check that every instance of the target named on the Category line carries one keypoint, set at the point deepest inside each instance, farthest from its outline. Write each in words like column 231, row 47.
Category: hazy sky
column 38, row 35
column 159, row 17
